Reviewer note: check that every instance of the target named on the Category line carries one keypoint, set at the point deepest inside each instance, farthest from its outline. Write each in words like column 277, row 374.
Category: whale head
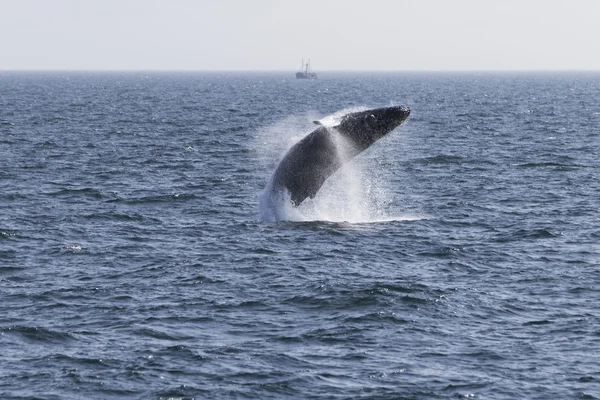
column 366, row 127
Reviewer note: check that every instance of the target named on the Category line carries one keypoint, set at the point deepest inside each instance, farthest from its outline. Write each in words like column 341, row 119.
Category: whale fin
column 318, row 123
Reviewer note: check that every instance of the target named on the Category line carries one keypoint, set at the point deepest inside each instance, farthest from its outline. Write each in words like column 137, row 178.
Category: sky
column 274, row 35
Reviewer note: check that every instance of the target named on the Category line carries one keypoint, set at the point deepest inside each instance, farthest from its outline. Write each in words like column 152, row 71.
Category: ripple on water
column 456, row 258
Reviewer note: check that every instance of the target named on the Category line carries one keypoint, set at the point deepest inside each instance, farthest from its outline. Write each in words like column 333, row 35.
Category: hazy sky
column 276, row 34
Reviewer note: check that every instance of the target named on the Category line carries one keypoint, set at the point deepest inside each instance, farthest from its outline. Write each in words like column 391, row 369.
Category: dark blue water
column 459, row 257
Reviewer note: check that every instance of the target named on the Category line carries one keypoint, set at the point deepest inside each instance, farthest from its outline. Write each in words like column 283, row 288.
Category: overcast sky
column 276, row 34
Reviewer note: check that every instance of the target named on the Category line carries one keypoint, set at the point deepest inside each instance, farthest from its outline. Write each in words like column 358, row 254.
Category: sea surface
column 458, row 257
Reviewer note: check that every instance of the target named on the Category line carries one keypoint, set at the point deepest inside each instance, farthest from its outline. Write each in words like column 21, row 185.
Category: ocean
column 458, row 257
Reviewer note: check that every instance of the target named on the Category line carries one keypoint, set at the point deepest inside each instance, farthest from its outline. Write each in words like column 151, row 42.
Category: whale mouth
column 404, row 110
column 370, row 125
column 389, row 118
column 395, row 115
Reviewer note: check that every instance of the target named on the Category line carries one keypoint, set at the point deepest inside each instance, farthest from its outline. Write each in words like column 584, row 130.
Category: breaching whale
column 307, row 165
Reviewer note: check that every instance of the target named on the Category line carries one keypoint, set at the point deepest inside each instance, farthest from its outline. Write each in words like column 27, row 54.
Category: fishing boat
column 305, row 71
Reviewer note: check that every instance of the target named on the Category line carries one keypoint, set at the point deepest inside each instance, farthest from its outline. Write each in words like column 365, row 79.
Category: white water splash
column 354, row 194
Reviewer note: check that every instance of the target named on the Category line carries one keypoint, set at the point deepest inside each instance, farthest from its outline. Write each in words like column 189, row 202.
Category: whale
column 307, row 165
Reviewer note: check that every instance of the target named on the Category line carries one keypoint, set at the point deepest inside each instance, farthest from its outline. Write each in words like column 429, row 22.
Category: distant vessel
column 305, row 71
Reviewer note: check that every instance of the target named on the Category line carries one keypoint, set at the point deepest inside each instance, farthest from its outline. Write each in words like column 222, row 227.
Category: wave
column 547, row 164
column 37, row 334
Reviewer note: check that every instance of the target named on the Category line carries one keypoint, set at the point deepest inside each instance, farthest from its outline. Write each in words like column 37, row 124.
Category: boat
column 305, row 71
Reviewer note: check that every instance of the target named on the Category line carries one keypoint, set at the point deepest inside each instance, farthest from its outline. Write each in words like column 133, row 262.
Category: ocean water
column 458, row 257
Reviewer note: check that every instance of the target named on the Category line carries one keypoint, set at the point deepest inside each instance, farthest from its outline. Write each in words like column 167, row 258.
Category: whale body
column 307, row 165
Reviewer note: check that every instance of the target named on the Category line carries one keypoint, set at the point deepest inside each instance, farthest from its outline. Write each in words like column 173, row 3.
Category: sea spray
column 355, row 193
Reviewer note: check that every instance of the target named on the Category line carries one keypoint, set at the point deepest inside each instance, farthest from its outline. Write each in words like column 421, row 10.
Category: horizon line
column 293, row 71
